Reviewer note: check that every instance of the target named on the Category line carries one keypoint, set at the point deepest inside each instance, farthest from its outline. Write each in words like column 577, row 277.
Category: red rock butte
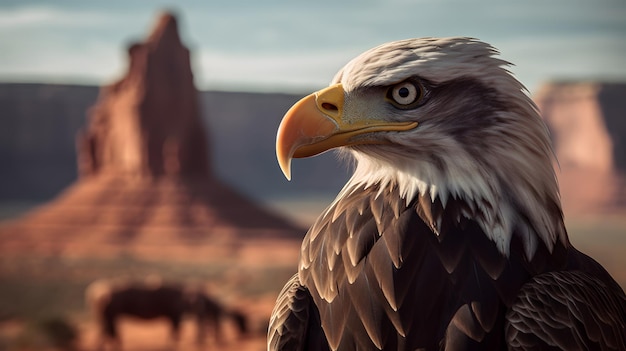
column 145, row 184
column 586, row 120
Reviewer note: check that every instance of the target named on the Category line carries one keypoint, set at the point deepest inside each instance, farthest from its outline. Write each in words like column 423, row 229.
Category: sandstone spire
column 148, row 123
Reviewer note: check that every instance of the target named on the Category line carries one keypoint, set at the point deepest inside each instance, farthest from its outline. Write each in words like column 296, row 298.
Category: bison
column 153, row 298
column 210, row 314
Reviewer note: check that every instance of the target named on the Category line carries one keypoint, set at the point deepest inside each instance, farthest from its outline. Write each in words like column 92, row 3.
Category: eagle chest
column 381, row 277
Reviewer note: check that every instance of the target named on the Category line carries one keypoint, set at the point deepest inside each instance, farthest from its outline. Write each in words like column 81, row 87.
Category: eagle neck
column 486, row 202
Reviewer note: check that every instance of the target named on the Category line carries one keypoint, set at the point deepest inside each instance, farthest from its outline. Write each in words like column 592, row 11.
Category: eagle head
column 443, row 118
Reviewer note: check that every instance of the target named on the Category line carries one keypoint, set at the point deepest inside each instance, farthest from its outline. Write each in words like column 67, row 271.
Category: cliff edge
column 587, row 121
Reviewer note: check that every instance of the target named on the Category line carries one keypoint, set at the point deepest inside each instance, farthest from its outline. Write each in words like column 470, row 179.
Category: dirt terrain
column 34, row 288
column 138, row 335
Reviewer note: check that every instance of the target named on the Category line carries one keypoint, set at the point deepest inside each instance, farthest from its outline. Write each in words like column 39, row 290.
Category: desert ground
column 36, row 289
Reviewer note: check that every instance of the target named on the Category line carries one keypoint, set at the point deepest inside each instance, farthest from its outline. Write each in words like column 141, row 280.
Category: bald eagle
column 449, row 235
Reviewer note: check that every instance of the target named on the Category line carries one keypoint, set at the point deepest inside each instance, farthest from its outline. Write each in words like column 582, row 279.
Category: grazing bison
column 152, row 299
column 210, row 315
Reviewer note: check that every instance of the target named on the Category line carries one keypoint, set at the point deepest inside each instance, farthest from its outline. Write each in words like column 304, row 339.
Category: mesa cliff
column 587, row 121
column 146, row 185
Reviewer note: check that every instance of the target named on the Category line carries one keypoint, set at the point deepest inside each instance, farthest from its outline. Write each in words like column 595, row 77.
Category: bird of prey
column 449, row 235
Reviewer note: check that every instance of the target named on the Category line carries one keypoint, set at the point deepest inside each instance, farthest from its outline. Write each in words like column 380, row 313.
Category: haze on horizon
column 287, row 46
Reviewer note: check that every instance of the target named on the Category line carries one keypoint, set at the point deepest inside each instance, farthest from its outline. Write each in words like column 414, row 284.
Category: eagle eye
column 406, row 94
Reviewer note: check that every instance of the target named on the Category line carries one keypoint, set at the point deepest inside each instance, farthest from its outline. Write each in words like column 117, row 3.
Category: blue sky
column 288, row 45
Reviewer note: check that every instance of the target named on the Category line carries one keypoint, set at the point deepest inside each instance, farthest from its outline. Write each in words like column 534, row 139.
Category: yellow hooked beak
column 315, row 124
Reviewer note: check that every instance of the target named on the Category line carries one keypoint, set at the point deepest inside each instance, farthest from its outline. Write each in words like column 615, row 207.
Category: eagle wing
column 295, row 323
column 570, row 310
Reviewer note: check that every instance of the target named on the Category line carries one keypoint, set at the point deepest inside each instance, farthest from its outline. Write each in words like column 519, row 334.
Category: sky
column 290, row 45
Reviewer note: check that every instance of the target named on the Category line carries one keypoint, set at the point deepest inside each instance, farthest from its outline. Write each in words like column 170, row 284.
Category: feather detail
column 334, row 317
column 369, row 310
column 377, row 206
column 295, row 323
column 393, row 244
column 465, row 321
column 358, row 245
column 569, row 310
column 352, row 271
column 383, row 269
column 424, row 210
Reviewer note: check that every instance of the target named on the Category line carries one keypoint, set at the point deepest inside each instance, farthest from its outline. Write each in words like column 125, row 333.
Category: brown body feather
column 382, row 281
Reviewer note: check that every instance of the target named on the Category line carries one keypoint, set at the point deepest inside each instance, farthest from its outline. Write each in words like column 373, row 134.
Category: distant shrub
column 52, row 333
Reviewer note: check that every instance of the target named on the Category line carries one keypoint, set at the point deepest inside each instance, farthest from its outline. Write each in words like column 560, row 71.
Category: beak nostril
column 329, row 101
column 329, row 107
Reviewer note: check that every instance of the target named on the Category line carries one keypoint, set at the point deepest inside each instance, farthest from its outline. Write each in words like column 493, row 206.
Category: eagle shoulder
column 569, row 310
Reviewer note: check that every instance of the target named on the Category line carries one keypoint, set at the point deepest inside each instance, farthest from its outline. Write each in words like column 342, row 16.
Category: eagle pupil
column 403, row 92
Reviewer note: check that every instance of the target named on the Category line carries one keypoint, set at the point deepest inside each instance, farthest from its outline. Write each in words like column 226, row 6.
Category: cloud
column 293, row 69
column 590, row 56
column 274, row 44
column 45, row 17
column 90, row 63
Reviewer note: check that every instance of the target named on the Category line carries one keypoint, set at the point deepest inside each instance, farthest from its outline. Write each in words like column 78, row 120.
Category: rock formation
column 146, row 185
column 588, row 125
column 148, row 123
